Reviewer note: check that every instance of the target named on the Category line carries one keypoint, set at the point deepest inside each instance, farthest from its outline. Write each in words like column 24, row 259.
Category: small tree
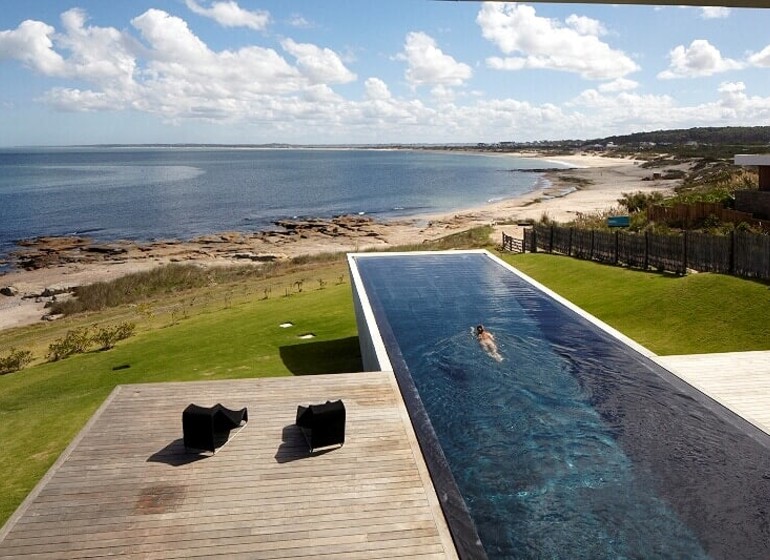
column 74, row 342
column 15, row 361
column 107, row 337
column 638, row 201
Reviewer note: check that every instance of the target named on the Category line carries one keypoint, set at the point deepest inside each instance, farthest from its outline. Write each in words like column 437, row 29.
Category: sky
column 366, row 71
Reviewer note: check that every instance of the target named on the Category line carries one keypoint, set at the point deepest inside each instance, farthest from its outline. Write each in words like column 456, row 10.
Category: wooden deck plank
column 124, row 487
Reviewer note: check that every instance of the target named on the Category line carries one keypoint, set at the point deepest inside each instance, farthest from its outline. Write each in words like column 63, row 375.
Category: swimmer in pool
column 487, row 342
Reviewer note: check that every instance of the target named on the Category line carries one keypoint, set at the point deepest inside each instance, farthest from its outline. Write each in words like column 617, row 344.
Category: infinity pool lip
column 377, row 341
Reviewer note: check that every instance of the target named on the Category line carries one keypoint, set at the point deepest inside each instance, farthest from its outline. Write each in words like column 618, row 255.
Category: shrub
column 711, row 222
column 107, row 337
column 134, row 288
column 671, row 174
column 743, row 226
column 638, row 201
column 15, row 361
column 74, row 342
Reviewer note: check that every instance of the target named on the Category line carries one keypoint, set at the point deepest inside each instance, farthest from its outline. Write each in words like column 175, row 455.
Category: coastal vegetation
column 80, row 340
column 700, row 180
column 14, row 360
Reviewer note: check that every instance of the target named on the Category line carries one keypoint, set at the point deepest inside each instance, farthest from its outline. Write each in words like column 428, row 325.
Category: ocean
column 149, row 193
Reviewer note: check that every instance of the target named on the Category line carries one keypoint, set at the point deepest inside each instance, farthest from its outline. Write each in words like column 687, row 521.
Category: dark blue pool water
column 574, row 446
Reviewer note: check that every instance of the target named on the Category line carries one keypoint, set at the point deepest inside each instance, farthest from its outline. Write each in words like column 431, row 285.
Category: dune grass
column 669, row 314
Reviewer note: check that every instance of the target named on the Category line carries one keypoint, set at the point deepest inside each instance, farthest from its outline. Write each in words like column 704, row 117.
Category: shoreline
column 593, row 184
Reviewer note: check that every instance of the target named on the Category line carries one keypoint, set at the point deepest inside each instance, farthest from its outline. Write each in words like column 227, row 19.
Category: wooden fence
column 740, row 253
column 691, row 215
column 512, row 244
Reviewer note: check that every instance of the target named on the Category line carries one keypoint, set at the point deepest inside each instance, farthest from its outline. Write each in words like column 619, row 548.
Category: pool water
column 575, row 445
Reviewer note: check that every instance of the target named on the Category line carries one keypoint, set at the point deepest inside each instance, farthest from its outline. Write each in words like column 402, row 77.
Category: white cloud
column 171, row 38
column 99, row 54
column 701, row 58
column 544, row 43
column 429, row 65
column 442, row 94
column 160, row 67
column 169, row 71
column 230, row 14
column 180, row 64
column 31, row 44
column 762, row 58
column 376, row 89
column 70, row 99
column 617, row 113
column 319, row 65
column 621, row 84
column 299, row 21
column 732, row 94
column 585, row 25
column 714, row 12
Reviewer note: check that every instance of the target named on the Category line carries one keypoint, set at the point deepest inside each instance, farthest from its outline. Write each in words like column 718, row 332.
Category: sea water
column 148, row 193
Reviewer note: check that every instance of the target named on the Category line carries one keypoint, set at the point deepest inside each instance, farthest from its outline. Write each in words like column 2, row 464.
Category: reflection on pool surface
column 575, row 445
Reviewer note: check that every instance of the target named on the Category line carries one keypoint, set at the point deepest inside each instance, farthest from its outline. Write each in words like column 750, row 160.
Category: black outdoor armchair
column 322, row 424
column 208, row 428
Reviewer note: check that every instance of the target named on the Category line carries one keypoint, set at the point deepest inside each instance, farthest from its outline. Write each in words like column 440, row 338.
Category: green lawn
column 232, row 331
column 693, row 314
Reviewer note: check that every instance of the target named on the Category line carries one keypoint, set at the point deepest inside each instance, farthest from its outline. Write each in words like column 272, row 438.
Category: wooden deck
column 738, row 380
column 124, row 487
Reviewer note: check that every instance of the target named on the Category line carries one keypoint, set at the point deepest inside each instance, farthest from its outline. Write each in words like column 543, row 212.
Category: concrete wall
column 373, row 353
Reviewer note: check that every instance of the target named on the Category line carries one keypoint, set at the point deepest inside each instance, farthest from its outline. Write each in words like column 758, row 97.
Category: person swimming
column 487, row 342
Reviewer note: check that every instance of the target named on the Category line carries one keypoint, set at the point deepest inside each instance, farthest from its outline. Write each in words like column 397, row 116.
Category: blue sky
column 365, row 71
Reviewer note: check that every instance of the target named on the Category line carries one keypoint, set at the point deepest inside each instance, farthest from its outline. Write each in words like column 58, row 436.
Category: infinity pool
column 576, row 445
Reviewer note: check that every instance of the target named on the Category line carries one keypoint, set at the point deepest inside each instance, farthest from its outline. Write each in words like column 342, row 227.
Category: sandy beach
column 593, row 185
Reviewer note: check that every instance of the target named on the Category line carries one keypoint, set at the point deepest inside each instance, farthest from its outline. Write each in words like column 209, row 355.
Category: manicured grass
column 229, row 332
column 694, row 314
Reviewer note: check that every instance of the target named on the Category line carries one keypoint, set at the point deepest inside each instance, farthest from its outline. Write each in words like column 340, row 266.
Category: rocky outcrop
column 339, row 226
column 259, row 257
column 43, row 252
column 346, row 230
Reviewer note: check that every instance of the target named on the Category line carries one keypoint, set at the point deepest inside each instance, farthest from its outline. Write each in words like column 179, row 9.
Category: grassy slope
column 43, row 407
column 698, row 313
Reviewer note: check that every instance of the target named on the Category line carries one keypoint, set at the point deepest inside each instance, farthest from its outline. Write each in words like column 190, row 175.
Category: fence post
column 732, row 252
column 569, row 246
column 534, row 239
column 646, row 250
column 550, row 245
column 591, row 254
column 684, row 253
column 617, row 246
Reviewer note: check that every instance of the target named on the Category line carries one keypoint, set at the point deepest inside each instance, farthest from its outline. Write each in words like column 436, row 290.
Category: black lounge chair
column 208, row 428
column 322, row 424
